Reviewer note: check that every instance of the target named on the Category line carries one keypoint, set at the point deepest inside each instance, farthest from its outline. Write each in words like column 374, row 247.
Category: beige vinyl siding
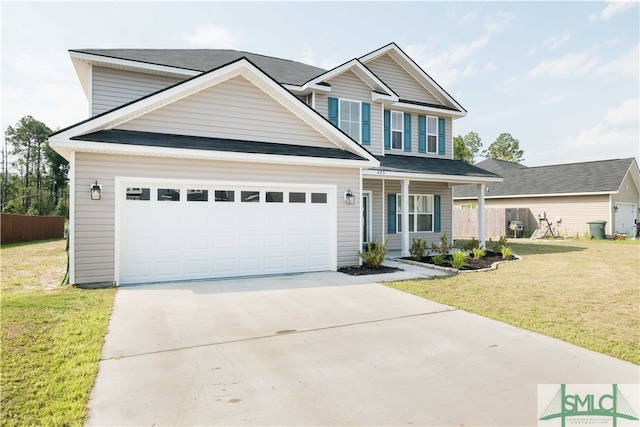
column 234, row 109
column 624, row 195
column 95, row 220
column 349, row 86
column 394, row 187
column 400, row 81
column 111, row 88
column 575, row 211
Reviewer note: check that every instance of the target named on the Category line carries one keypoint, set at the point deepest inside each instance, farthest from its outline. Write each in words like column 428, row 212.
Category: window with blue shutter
column 436, row 214
column 407, row 132
column 441, row 148
column 422, row 134
column 366, row 123
column 333, row 111
column 387, row 130
column 391, row 210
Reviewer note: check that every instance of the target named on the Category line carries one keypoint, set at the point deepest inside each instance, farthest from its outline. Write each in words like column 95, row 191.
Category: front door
column 366, row 217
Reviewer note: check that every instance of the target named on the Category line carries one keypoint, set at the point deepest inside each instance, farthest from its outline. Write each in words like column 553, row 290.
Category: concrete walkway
column 323, row 349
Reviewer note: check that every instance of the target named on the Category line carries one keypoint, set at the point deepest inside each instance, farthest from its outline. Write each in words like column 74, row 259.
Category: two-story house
column 218, row 163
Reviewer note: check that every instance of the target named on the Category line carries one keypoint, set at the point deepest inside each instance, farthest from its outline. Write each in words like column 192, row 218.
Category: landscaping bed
column 362, row 270
column 471, row 263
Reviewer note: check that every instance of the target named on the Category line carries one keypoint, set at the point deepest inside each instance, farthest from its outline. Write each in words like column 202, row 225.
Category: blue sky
column 561, row 77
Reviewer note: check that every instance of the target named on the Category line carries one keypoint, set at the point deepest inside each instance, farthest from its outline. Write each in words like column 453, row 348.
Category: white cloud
column 212, row 37
column 307, row 56
column 466, row 19
column 497, row 23
column 555, row 42
column 616, row 133
column 612, row 8
column 623, row 66
column 570, row 65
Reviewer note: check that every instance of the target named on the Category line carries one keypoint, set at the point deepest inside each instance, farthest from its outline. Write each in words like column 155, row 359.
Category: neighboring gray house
column 570, row 195
column 218, row 163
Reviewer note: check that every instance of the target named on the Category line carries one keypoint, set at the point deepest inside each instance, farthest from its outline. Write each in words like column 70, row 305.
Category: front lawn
column 580, row 291
column 51, row 337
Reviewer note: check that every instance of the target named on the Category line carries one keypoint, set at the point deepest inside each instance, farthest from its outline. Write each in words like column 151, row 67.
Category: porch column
column 405, row 217
column 481, row 223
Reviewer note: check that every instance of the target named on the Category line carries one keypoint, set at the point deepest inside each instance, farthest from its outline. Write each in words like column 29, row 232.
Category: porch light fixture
column 349, row 197
column 615, row 208
column 96, row 191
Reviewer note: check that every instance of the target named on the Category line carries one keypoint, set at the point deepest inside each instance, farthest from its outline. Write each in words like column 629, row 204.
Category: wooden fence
column 25, row 228
column 465, row 222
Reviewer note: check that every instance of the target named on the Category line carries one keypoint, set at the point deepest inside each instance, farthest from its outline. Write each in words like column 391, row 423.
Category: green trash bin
column 596, row 229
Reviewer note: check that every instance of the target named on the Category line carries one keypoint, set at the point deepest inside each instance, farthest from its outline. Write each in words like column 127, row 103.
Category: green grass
column 583, row 292
column 51, row 338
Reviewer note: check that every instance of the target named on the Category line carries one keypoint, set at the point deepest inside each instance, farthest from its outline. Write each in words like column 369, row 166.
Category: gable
column 400, row 81
column 233, row 109
column 349, row 85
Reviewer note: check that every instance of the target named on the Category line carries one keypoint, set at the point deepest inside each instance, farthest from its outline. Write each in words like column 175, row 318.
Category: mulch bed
column 361, row 270
column 472, row 264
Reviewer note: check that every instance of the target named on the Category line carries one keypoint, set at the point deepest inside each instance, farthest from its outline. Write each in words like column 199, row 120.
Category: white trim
column 90, row 90
column 141, row 150
column 384, row 211
column 432, row 134
column 394, row 52
column 432, row 213
column 460, row 180
column 241, row 67
column 128, row 64
column 359, row 141
column 72, row 219
column 355, row 66
column 522, row 196
column 391, row 130
column 423, row 109
column 405, row 218
column 384, row 99
column 369, row 236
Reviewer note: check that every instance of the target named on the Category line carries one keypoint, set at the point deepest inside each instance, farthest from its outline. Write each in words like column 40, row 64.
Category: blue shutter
column 366, row 123
column 422, row 134
column 440, row 136
column 407, row 132
column 436, row 214
column 333, row 111
column 391, row 209
column 387, row 130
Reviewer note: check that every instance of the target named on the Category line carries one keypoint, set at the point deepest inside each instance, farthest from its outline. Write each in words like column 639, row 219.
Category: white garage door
column 171, row 231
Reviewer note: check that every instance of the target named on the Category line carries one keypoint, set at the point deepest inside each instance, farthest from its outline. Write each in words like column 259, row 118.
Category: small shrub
column 438, row 259
column 418, row 246
column 506, row 252
column 459, row 259
column 374, row 255
column 443, row 248
column 478, row 253
column 497, row 246
column 471, row 244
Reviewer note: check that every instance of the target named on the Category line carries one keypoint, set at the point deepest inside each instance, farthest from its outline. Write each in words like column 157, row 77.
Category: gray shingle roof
column 576, row 178
column 281, row 70
column 431, row 166
column 152, row 139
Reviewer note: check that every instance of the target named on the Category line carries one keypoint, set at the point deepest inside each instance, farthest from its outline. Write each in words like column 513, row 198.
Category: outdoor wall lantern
column 349, row 197
column 615, row 208
column 96, row 191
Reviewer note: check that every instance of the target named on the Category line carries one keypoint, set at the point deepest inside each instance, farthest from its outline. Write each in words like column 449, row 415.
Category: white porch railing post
column 405, row 217
column 481, row 220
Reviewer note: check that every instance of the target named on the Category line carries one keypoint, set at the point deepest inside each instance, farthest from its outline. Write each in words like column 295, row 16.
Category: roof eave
column 380, row 173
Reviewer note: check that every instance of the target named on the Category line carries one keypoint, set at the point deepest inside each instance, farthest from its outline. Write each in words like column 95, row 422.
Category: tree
column 38, row 175
column 467, row 147
column 506, row 148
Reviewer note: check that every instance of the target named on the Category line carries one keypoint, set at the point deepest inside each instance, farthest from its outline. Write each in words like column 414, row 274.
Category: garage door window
column 168, row 194
column 297, row 197
column 137, row 193
column 274, row 196
column 318, row 197
column 224, row 196
column 250, row 196
column 197, row 195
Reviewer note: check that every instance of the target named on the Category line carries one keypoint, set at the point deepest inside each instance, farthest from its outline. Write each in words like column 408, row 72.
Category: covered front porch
column 423, row 189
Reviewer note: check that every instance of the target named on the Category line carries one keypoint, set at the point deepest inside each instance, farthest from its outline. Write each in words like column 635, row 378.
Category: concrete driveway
column 323, row 349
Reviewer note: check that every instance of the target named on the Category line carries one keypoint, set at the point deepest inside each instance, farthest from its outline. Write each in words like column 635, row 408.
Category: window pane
column 411, row 222
column 399, row 202
column 412, row 205
column 250, row 196
column 318, row 197
column 432, row 147
column 432, row 125
column 355, row 131
column 425, row 222
column 136, row 193
column 197, row 195
column 225, row 196
column 399, row 224
column 297, row 197
column 396, row 140
column 355, row 111
column 274, row 197
column 344, row 110
column 168, row 194
column 396, row 120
